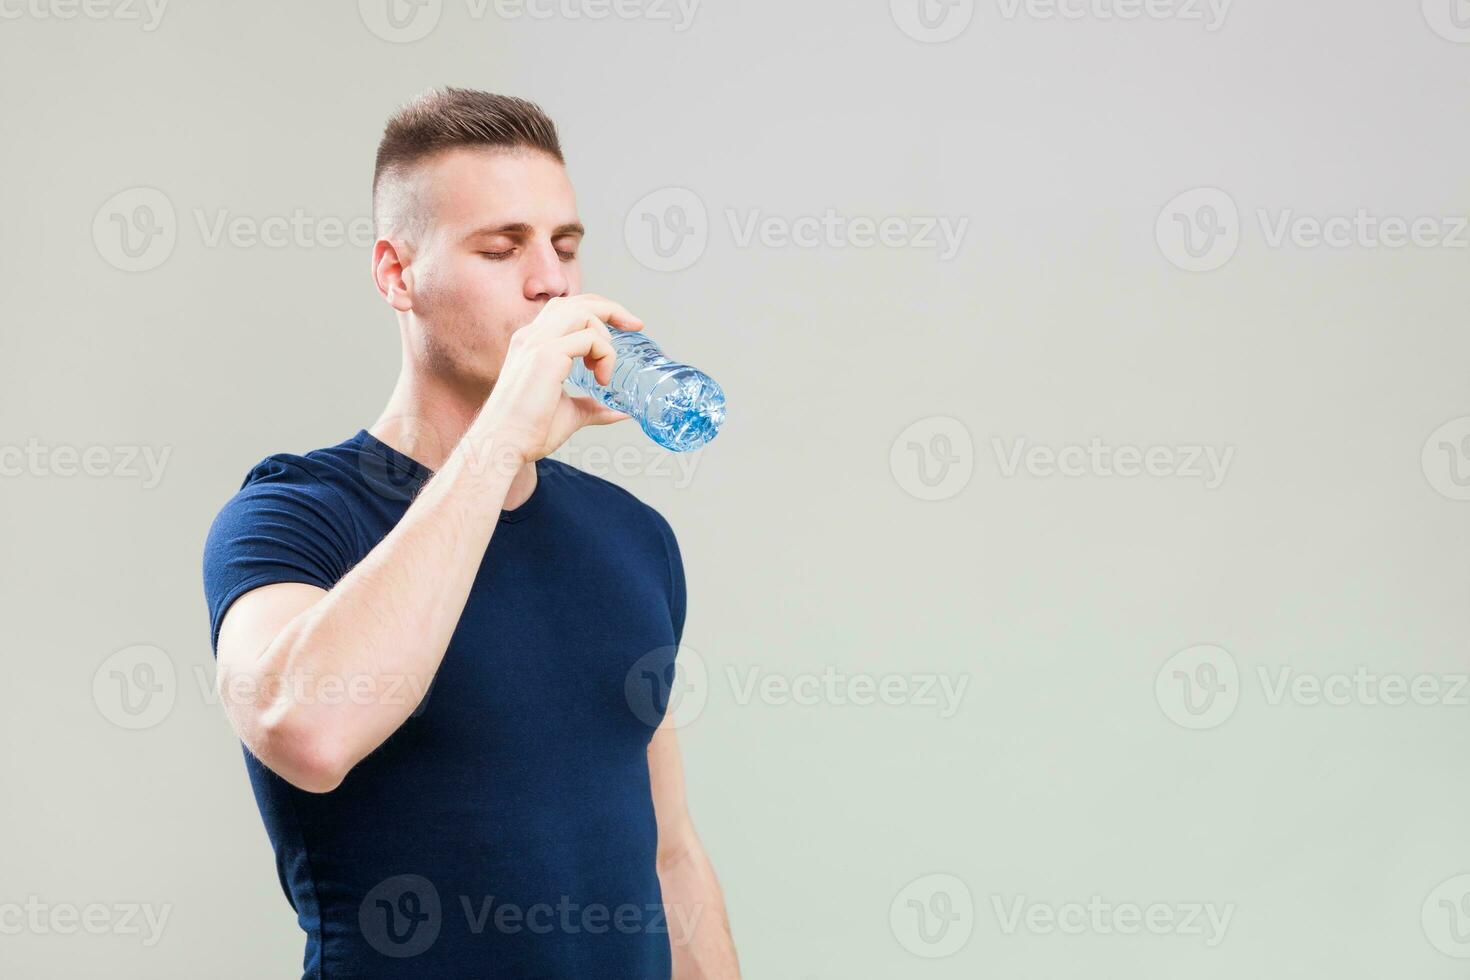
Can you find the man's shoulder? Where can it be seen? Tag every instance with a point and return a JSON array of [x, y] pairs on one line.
[[605, 492], [315, 472], [322, 487], [292, 496]]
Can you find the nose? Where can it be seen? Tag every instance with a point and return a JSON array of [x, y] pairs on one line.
[[546, 276]]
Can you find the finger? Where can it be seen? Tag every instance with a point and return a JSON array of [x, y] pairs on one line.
[[608, 311], [603, 355], [565, 314], [590, 411], [603, 370], [594, 347]]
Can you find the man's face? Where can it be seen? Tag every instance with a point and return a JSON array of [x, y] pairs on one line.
[[497, 239]]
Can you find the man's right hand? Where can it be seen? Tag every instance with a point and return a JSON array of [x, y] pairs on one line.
[[528, 413], [390, 618]]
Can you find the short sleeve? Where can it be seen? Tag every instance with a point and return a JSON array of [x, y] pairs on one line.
[[285, 524], [677, 600]]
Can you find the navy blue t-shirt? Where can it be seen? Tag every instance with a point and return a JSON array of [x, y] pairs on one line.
[[506, 829]]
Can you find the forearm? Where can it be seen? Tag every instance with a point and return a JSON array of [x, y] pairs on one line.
[[699, 929], [379, 635]]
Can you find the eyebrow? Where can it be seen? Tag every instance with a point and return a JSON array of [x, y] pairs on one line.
[[522, 229]]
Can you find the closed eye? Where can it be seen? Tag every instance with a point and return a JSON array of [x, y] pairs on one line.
[[563, 254]]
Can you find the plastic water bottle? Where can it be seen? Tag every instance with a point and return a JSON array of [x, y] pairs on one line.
[[681, 408]]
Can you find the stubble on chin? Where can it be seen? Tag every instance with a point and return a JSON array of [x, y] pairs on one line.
[[465, 362]]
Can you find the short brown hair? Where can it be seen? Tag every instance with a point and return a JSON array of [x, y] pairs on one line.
[[442, 119]]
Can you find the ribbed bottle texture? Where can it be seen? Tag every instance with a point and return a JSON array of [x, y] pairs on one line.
[[681, 408]]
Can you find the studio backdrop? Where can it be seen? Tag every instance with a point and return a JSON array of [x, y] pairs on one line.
[[1077, 588]]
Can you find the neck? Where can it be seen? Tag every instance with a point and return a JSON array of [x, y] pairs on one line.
[[426, 417]]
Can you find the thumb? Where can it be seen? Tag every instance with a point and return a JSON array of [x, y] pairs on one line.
[[593, 412]]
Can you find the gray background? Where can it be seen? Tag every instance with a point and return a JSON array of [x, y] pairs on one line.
[[1334, 833]]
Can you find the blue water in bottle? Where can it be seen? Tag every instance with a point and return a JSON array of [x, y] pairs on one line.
[[681, 408]]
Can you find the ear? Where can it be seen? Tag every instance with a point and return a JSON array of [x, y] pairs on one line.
[[391, 273]]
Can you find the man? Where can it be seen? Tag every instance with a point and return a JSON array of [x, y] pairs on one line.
[[524, 816]]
